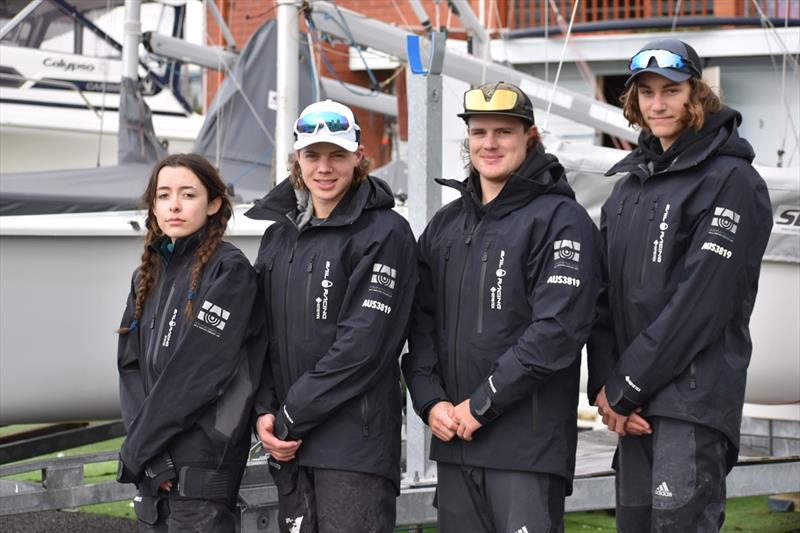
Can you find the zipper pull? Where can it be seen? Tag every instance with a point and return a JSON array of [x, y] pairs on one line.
[[447, 253], [468, 240], [271, 264], [291, 254], [485, 256], [153, 323], [636, 200], [653, 210], [310, 267], [621, 205]]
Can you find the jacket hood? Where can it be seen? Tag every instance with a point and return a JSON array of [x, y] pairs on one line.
[[540, 173], [280, 204], [718, 136]]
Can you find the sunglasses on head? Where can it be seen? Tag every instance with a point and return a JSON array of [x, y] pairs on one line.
[[333, 122], [501, 100], [664, 59]]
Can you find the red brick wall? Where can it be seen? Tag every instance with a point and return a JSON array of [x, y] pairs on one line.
[[244, 16]]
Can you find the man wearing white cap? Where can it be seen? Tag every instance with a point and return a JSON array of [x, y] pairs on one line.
[[338, 271]]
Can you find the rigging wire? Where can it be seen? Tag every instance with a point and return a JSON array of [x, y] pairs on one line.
[[786, 104], [560, 63], [400, 14], [328, 66], [346, 28], [765, 21], [675, 16]]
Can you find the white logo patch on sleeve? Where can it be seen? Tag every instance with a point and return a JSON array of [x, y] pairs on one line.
[[383, 279], [566, 253], [212, 318], [725, 223]]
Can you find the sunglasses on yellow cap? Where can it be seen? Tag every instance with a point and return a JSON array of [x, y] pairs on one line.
[[501, 100]]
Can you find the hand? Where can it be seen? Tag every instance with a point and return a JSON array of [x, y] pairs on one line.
[[637, 425], [467, 425], [440, 420], [166, 485], [612, 419], [282, 450]]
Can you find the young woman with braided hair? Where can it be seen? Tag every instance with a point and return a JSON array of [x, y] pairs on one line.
[[190, 354]]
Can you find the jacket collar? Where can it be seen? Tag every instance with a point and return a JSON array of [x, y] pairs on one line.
[[280, 204], [539, 174], [718, 136], [183, 246]]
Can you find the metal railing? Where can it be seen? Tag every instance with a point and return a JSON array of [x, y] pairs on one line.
[[523, 14]]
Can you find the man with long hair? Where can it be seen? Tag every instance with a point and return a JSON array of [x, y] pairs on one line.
[[684, 230], [509, 276]]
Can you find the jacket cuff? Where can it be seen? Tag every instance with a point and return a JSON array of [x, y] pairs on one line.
[[283, 425], [159, 470], [481, 405], [619, 397], [125, 474]]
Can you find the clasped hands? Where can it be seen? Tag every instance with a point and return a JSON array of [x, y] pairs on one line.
[[282, 450], [633, 424], [447, 421]]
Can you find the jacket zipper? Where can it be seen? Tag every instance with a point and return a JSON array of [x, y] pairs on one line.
[[307, 312], [156, 341], [268, 292], [692, 380], [444, 287], [482, 287], [364, 415], [617, 224], [454, 351], [647, 254], [285, 363]]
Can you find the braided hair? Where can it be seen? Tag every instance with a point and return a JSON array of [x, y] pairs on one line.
[[215, 229]]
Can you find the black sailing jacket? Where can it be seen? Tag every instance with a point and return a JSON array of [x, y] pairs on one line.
[[187, 383], [505, 303], [338, 297], [684, 232]]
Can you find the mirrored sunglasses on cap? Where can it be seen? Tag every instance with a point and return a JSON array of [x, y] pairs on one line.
[[501, 100], [332, 121], [664, 59]]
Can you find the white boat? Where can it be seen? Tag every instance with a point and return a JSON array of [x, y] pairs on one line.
[[60, 70]]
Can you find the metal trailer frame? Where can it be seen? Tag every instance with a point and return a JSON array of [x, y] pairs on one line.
[[63, 487]]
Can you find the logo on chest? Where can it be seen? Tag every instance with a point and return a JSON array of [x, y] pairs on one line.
[[172, 324], [496, 290], [322, 300], [658, 244]]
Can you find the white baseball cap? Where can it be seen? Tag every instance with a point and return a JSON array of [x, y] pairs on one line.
[[327, 122]]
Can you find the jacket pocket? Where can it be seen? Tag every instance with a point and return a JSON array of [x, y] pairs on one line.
[[443, 288], [308, 309], [482, 288], [535, 411], [648, 242], [364, 416]]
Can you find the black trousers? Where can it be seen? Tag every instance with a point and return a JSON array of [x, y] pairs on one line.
[[317, 500], [672, 480], [484, 500], [174, 515]]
